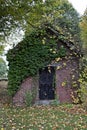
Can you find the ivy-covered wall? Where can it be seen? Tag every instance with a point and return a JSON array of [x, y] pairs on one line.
[[35, 51]]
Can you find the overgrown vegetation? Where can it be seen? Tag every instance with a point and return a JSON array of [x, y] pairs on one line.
[[28, 98], [83, 83], [36, 51], [83, 77], [83, 27]]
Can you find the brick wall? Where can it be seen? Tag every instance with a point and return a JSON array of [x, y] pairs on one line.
[[19, 98], [67, 74], [27, 85], [66, 80]]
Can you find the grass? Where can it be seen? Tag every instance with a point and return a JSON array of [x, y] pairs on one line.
[[62, 117]]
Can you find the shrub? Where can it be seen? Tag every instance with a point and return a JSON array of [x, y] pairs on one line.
[[28, 98], [83, 84]]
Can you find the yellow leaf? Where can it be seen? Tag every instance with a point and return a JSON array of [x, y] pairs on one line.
[[58, 67], [2, 129], [63, 84], [64, 64], [57, 59]]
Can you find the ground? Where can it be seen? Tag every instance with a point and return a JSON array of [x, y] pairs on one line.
[[62, 117], [54, 117]]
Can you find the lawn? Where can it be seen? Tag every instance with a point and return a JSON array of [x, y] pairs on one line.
[[62, 117]]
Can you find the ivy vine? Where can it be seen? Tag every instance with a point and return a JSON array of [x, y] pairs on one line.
[[35, 51]]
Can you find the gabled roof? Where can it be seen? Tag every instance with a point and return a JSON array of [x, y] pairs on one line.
[[76, 49]]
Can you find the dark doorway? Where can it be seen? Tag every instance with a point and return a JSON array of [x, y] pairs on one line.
[[46, 83]]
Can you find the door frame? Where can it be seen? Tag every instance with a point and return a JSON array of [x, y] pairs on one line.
[[51, 90]]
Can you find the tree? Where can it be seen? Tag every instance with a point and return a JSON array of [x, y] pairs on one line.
[[29, 14], [60, 13], [13, 14], [1, 49]]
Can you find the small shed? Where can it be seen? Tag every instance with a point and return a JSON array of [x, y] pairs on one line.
[[57, 80]]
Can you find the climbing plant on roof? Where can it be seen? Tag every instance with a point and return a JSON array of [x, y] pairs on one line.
[[36, 51]]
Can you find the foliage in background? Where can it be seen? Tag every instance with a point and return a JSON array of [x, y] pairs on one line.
[[3, 68], [29, 14], [1, 49], [83, 77], [83, 26]]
